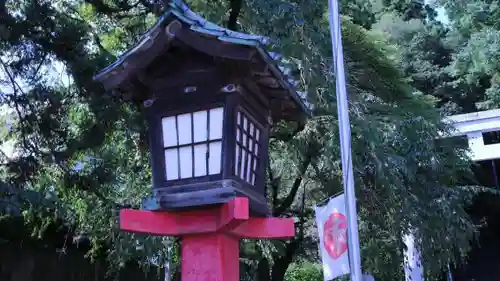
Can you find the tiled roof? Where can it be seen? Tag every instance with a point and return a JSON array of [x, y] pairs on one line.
[[178, 9]]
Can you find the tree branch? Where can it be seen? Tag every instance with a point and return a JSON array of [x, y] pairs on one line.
[[282, 263], [16, 87], [287, 202], [235, 9], [274, 182], [123, 6], [152, 7], [285, 136], [103, 8], [263, 269]]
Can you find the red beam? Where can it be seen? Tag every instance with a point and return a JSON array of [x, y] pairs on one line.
[[210, 237], [214, 219], [233, 213], [266, 228]]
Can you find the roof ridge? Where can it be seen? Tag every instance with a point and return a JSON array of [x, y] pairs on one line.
[[280, 66], [181, 6]]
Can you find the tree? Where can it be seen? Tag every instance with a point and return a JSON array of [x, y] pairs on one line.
[[88, 151], [456, 63], [425, 58], [475, 40], [410, 9]]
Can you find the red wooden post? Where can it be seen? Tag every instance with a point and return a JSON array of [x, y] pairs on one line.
[[210, 237]]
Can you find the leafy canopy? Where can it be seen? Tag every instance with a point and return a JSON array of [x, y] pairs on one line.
[[85, 152]]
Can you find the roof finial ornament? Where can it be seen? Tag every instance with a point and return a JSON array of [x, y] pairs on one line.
[[172, 28]]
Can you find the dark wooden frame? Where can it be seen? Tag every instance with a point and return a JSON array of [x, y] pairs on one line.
[[192, 144], [232, 103], [244, 146], [177, 53], [258, 114], [163, 107], [172, 101]]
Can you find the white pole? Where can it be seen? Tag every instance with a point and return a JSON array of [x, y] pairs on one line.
[[449, 275], [345, 142], [412, 262]]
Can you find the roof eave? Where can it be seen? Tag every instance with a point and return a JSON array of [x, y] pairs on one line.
[[181, 12], [284, 82]]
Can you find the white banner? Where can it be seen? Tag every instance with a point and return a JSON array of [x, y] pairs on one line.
[[331, 221], [412, 263]]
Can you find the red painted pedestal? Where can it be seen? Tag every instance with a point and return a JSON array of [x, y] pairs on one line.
[[210, 237]]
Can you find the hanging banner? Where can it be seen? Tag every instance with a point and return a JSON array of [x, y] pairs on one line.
[[412, 263], [449, 275], [331, 222]]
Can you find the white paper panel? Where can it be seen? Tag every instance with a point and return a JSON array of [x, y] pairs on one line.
[[236, 158], [238, 119], [257, 135], [184, 127], [186, 162], [238, 134], [250, 145], [169, 131], [242, 168], [216, 124], [256, 149], [245, 140], [171, 164], [200, 119], [245, 124], [251, 129], [249, 168], [255, 169], [200, 160], [214, 162]]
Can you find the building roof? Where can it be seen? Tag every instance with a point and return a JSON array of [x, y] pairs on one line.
[[178, 10]]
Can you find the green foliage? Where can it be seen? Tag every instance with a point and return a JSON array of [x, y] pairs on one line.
[[457, 62], [86, 150], [477, 64], [304, 272], [410, 9]]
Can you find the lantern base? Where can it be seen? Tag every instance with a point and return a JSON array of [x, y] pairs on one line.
[[196, 196], [210, 237]]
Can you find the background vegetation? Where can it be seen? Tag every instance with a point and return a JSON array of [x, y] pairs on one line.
[[73, 155]]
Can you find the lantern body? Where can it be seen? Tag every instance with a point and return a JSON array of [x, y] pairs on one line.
[[209, 95], [208, 145]]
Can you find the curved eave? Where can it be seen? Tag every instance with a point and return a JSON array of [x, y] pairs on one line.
[[301, 102], [147, 39], [155, 36]]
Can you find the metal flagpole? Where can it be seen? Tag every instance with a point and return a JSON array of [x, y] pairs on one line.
[[449, 276], [345, 142]]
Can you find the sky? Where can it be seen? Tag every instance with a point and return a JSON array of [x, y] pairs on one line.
[[442, 17]]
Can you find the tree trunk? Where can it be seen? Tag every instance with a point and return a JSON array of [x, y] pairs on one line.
[[263, 270], [281, 264]]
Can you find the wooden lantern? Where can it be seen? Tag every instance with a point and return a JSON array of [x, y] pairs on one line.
[[210, 96]]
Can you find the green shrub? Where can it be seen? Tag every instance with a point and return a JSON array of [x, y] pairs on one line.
[[305, 271]]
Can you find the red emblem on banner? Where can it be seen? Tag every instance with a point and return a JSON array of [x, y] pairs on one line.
[[335, 235]]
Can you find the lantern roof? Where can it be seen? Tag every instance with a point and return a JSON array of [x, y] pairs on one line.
[[276, 78]]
